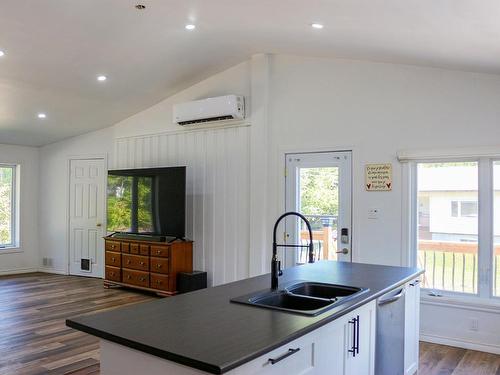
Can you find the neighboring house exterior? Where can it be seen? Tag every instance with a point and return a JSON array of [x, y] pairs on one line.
[[448, 204]]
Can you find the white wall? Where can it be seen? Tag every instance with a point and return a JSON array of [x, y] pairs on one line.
[[301, 104], [24, 258]]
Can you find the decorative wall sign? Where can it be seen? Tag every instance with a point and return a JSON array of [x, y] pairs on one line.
[[378, 177]]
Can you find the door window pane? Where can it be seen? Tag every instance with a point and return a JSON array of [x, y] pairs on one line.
[[448, 225], [319, 203], [6, 205], [496, 228]]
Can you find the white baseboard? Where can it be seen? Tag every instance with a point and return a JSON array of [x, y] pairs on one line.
[[495, 349], [52, 270], [17, 271]]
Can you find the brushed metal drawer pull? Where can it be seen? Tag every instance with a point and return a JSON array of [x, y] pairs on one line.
[[113, 259], [158, 252], [283, 356], [129, 277], [141, 263], [142, 279], [158, 265], [158, 282]]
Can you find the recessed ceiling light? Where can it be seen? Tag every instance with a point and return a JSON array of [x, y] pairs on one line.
[[190, 26], [2, 53], [102, 78], [42, 115], [317, 25]]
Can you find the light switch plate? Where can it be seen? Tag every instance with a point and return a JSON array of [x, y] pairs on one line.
[[373, 213]]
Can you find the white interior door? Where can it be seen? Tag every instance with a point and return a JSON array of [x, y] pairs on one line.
[[318, 185], [86, 217]]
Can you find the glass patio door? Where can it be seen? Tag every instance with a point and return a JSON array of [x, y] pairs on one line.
[[318, 185]]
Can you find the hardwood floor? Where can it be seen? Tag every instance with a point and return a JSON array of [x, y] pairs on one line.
[[447, 360], [34, 339], [33, 336]]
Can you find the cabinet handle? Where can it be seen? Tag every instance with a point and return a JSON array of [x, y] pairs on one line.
[[158, 252], [357, 335], [113, 259], [283, 356], [142, 263], [158, 282], [142, 279], [158, 266], [354, 329]]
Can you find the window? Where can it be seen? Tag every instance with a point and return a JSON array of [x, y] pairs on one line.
[[7, 206], [448, 244], [496, 229], [457, 227], [464, 209]]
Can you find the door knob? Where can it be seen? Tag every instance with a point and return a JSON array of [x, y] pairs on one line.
[[98, 225], [344, 251]]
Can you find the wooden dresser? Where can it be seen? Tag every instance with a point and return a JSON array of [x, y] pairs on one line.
[[151, 266]]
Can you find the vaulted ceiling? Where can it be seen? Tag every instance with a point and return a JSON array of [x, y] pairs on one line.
[[54, 49]]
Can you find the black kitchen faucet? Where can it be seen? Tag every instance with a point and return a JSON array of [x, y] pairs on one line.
[[275, 263]]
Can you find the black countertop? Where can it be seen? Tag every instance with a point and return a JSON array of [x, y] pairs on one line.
[[204, 330]]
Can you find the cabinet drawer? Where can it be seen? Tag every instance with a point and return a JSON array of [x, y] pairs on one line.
[[125, 247], [159, 265], [113, 259], [136, 278], [135, 262], [160, 251], [144, 250], [113, 246], [113, 274], [134, 248], [159, 281]]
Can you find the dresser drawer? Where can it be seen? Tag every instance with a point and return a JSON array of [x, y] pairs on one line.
[[160, 251], [125, 247], [135, 262], [112, 273], [159, 265], [136, 278], [144, 250], [113, 259], [112, 246], [134, 248], [159, 281]]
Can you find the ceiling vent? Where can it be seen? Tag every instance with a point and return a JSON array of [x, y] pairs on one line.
[[221, 108]]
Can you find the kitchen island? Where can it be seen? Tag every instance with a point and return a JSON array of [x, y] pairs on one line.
[[204, 332]]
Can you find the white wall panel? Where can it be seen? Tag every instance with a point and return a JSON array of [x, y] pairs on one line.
[[217, 191]]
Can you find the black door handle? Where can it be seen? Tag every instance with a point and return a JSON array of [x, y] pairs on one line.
[[283, 356], [354, 329]]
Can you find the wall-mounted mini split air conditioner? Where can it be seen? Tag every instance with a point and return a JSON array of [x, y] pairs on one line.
[[229, 107]]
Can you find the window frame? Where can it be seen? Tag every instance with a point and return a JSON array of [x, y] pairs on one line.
[[485, 217], [14, 222]]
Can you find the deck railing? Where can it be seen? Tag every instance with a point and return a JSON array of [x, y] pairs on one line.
[[453, 266]]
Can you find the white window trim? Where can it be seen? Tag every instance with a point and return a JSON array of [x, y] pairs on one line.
[[485, 157], [14, 246]]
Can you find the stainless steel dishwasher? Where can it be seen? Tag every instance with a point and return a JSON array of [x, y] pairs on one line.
[[390, 346]]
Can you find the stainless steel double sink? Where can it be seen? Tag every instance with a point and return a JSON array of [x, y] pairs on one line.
[[304, 297]]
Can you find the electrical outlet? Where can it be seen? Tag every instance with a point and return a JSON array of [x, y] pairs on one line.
[[474, 324]]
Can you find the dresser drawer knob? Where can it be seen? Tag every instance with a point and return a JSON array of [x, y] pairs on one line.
[[113, 259], [158, 252], [129, 277], [142, 279], [129, 261], [111, 274], [158, 282], [142, 263], [158, 266]]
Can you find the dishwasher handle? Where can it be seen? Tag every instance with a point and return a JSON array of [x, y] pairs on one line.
[[394, 298]]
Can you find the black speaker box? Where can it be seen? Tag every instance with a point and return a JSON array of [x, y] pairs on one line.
[[189, 281]]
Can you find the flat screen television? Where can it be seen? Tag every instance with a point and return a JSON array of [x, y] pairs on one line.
[[147, 201]]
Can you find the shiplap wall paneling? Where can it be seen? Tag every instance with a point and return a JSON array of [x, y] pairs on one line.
[[217, 191]]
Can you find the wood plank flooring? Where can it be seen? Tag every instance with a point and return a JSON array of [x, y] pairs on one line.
[[33, 336], [34, 339], [447, 360]]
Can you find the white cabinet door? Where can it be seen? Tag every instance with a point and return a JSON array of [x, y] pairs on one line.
[[330, 348], [359, 328], [412, 326]]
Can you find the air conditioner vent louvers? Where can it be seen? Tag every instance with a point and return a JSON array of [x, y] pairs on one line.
[[218, 118]]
